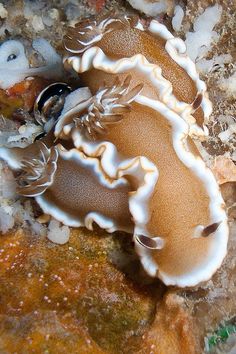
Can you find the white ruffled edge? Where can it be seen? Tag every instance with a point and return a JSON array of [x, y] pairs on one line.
[[112, 165], [94, 57], [177, 50], [217, 212], [216, 207]]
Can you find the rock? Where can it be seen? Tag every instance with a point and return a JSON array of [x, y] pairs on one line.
[[37, 23], [3, 11], [153, 8]]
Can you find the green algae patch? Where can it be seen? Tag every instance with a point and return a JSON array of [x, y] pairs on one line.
[[220, 335]]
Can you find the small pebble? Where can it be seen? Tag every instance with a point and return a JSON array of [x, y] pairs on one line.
[[3, 11], [54, 14], [44, 218], [37, 23]]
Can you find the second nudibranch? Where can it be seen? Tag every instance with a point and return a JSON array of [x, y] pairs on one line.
[[94, 183]]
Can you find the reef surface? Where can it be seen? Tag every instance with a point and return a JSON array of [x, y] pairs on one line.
[[90, 295]]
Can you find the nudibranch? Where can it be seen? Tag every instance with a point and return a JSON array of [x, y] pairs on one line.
[[172, 109], [120, 152], [81, 187]]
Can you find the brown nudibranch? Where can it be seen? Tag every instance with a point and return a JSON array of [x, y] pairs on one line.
[[122, 154], [169, 112]]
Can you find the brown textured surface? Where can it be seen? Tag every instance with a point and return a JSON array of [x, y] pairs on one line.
[[154, 50], [87, 194], [170, 217], [172, 331], [74, 288], [120, 44], [72, 298]]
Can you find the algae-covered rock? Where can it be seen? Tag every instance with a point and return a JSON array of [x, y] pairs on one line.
[[48, 285], [75, 297]]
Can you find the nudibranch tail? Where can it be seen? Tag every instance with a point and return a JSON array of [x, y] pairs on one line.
[[116, 183], [62, 181]]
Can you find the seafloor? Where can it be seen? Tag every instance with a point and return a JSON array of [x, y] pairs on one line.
[[83, 297]]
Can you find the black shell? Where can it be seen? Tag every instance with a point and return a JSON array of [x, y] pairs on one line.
[[50, 102]]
